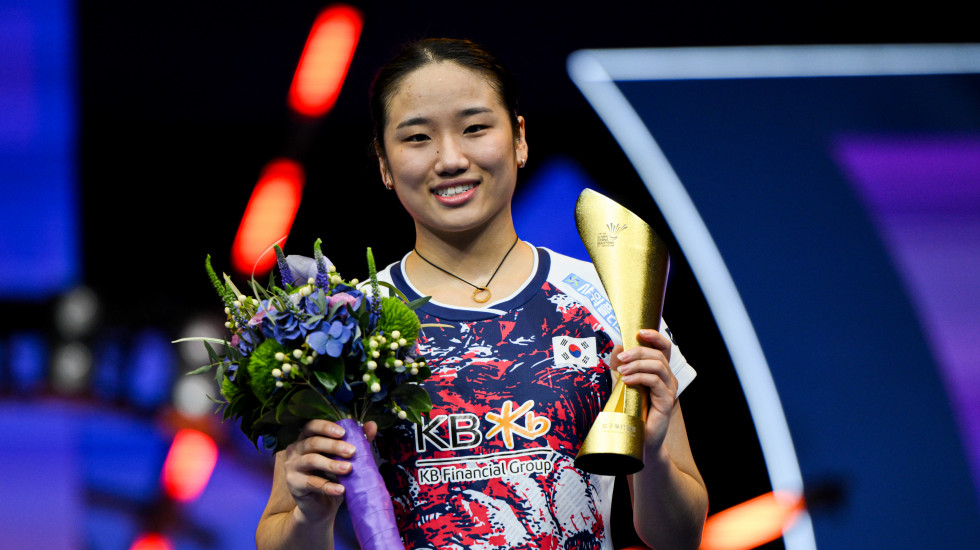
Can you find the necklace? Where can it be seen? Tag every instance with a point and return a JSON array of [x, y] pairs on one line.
[[482, 293]]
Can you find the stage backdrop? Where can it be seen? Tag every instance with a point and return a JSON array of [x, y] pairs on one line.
[[827, 201]]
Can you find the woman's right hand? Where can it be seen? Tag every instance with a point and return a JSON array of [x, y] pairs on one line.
[[312, 464]]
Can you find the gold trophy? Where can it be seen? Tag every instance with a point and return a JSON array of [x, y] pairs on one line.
[[632, 262]]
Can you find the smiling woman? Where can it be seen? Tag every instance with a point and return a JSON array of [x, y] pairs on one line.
[[493, 464]]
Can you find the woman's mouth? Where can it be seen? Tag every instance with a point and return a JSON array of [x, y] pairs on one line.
[[454, 190]]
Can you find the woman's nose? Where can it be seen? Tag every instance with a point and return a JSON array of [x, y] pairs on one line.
[[451, 159]]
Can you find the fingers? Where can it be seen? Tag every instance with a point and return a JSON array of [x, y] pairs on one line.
[[649, 366], [371, 430], [314, 461]]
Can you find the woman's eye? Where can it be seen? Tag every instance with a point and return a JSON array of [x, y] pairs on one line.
[[417, 137], [473, 128]]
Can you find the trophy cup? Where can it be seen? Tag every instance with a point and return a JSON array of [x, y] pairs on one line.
[[632, 263]]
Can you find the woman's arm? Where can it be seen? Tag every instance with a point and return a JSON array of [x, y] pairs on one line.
[[305, 497], [670, 500]]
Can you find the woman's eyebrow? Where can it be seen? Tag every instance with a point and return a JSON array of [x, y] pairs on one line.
[[414, 121], [474, 111]]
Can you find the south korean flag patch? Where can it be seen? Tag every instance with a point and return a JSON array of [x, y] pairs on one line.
[[575, 351]]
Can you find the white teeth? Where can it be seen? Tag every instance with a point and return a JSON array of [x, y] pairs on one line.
[[452, 191]]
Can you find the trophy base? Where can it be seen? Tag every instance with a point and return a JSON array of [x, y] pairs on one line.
[[614, 445]]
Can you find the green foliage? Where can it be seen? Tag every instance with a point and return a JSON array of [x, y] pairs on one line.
[[395, 315], [260, 366]]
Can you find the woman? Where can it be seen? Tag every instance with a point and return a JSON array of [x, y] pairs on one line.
[[520, 367]]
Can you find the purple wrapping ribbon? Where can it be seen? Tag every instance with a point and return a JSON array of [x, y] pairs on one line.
[[368, 500]]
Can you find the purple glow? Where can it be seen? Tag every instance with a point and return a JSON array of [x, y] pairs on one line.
[[924, 196]]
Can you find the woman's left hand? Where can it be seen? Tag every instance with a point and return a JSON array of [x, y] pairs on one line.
[[649, 365]]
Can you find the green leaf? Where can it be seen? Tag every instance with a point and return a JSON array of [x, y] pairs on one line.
[[415, 304], [232, 286], [392, 288], [200, 339], [385, 420], [201, 370], [331, 374], [309, 404], [413, 399], [212, 355]]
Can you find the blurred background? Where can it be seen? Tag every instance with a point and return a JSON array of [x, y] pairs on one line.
[[133, 135]]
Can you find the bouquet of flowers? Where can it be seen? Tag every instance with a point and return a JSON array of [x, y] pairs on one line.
[[318, 347]]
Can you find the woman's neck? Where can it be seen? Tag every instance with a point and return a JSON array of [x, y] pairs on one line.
[[449, 267]]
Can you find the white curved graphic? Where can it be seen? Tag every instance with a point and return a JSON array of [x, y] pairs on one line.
[[595, 73]]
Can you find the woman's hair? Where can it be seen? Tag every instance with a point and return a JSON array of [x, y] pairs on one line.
[[416, 55]]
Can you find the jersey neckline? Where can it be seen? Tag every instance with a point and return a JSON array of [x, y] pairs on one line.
[[539, 274]]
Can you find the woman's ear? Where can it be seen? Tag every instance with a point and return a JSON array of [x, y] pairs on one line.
[[386, 178], [520, 143]]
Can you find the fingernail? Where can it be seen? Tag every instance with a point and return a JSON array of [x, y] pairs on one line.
[[337, 432], [349, 450], [623, 356]]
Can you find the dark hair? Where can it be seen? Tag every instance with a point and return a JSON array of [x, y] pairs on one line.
[[416, 55]]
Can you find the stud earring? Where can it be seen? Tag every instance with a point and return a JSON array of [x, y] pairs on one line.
[[523, 162]]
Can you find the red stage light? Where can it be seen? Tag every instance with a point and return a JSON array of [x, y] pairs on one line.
[[152, 541], [752, 523], [189, 464], [326, 57], [268, 217]]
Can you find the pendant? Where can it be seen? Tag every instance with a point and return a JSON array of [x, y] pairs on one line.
[[481, 295]]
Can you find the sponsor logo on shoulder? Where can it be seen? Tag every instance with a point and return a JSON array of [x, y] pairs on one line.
[[594, 296]]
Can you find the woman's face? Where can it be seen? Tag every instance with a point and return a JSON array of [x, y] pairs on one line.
[[452, 155]]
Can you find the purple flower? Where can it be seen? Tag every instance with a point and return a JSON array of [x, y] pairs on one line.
[[282, 326], [330, 339]]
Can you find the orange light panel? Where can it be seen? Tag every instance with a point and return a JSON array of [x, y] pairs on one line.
[[752, 523], [152, 541], [189, 464], [268, 217], [326, 57]]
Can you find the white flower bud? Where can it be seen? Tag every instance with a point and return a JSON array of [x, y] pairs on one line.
[[297, 353], [375, 388], [372, 343], [396, 334], [402, 342], [414, 371], [280, 356], [277, 373], [402, 415], [393, 346], [336, 280], [398, 362], [279, 384], [228, 324], [311, 280], [227, 311], [366, 377], [354, 282], [375, 354], [241, 298], [331, 269], [236, 303], [372, 365]]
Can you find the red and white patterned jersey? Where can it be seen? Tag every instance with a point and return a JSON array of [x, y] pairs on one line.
[[515, 387]]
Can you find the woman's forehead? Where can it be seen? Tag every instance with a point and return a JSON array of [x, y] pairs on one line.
[[441, 84]]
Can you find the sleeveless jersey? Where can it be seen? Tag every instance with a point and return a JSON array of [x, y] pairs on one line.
[[515, 387]]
